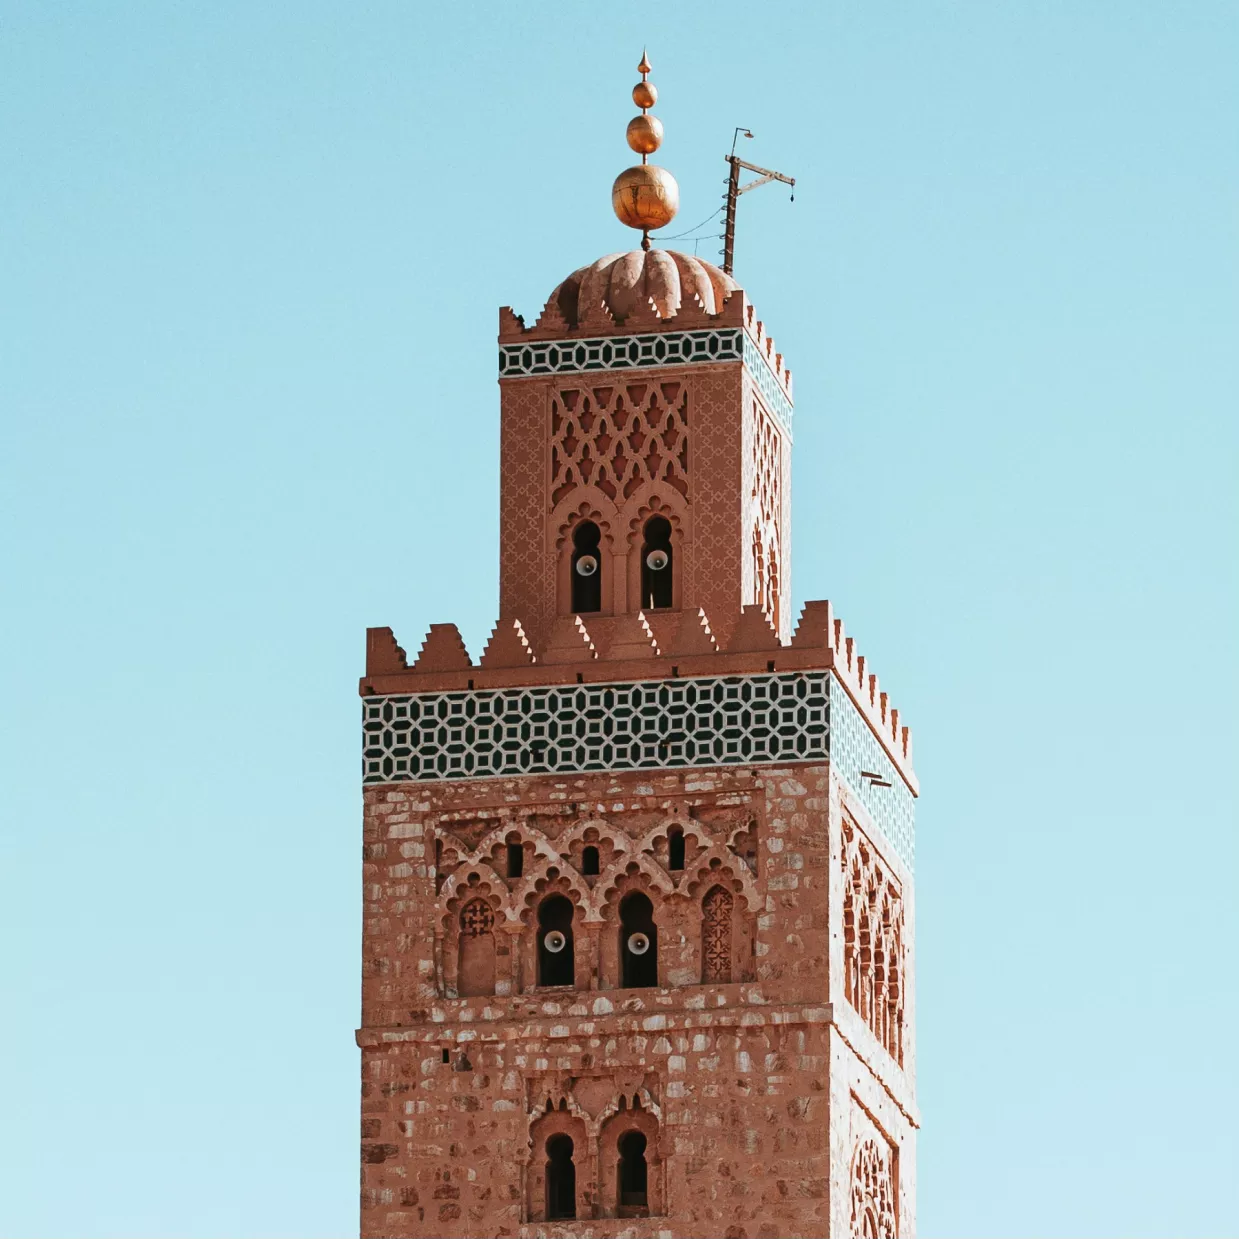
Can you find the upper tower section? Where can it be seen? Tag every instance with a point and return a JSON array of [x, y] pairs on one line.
[[646, 436]]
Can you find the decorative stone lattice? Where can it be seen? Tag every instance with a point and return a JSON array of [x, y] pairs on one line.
[[873, 1192], [716, 935], [477, 918], [527, 584], [873, 964], [766, 473], [729, 720], [617, 438]]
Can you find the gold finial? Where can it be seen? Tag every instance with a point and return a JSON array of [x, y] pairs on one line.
[[645, 196]]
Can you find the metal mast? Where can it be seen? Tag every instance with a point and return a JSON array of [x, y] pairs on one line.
[[735, 189]]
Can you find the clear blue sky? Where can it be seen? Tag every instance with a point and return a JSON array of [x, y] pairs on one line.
[[251, 256]]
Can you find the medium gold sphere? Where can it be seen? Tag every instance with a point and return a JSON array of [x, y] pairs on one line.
[[645, 134], [645, 197], [644, 95]]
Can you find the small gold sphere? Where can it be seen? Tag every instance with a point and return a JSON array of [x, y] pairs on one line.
[[645, 197], [644, 95], [645, 134]]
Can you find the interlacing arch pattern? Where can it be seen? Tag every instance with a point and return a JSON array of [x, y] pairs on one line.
[[767, 499], [872, 940], [618, 438], [474, 899], [873, 1192]]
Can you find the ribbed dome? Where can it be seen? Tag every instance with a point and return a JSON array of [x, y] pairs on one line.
[[639, 279]]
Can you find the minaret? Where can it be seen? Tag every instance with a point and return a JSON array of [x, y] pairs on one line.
[[638, 948]]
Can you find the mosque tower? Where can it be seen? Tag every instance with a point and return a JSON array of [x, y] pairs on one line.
[[638, 934]]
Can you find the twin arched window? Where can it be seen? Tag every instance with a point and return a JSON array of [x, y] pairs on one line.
[[556, 954], [657, 574], [632, 1176]]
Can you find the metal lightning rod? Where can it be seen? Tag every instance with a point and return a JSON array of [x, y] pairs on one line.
[[735, 189]]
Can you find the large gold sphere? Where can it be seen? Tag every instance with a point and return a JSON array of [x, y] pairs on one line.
[[645, 134], [645, 197], [644, 95]]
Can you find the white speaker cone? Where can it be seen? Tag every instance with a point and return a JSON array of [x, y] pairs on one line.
[[587, 565], [656, 561], [555, 941], [638, 944]]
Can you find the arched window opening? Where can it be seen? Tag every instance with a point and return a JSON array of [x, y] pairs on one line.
[[633, 1173], [772, 589], [586, 568], [516, 860], [589, 862], [759, 570], [638, 942], [716, 911], [675, 848], [656, 563], [560, 1179], [475, 972], [556, 964]]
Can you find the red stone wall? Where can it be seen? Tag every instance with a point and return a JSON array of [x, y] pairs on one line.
[[697, 446], [761, 1099]]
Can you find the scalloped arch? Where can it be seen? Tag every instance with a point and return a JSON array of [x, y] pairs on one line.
[[686, 824], [451, 891], [630, 865], [585, 503], [542, 846], [527, 894], [613, 834], [710, 865], [651, 499]]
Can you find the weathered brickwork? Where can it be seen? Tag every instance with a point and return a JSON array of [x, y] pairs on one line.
[[731, 1083], [638, 899]]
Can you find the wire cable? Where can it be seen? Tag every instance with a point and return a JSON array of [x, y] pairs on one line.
[[679, 236]]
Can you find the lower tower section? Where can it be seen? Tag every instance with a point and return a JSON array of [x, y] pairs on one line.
[[638, 941]]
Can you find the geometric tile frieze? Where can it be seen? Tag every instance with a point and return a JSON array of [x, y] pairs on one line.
[[640, 352], [700, 721], [856, 756], [759, 368], [653, 724]]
